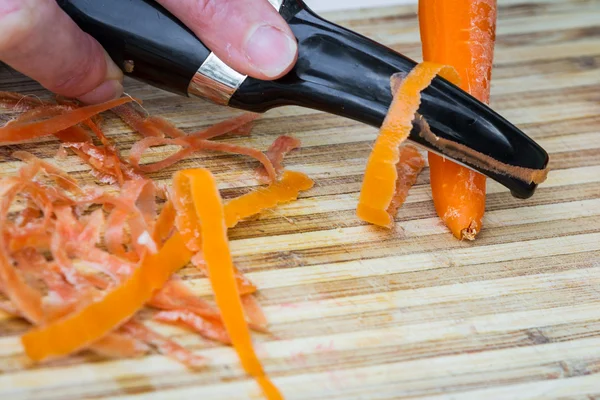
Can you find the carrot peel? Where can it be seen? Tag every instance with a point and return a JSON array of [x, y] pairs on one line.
[[379, 183], [18, 131], [91, 323], [284, 190], [210, 215]]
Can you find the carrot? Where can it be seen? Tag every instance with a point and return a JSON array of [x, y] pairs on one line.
[[26, 299], [117, 345], [277, 151], [254, 312], [15, 132], [410, 165], [210, 215], [164, 224], [244, 284], [461, 34], [284, 190], [208, 328], [379, 183], [164, 345], [89, 324]]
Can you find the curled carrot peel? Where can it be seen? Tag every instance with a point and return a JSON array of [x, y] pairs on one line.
[[82, 328], [461, 34], [15, 132], [284, 190], [408, 168], [209, 328], [277, 151], [245, 286], [379, 183], [27, 299], [164, 224], [210, 214]]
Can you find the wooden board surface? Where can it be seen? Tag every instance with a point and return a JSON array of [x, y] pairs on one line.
[[357, 312]]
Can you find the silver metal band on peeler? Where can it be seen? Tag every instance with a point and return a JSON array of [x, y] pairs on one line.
[[215, 80]]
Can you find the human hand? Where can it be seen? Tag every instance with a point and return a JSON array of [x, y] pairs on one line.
[[38, 39]]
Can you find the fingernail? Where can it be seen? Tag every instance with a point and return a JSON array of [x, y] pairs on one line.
[[108, 90], [270, 50], [112, 71]]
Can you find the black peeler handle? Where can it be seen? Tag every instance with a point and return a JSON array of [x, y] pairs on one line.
[[338, 71]]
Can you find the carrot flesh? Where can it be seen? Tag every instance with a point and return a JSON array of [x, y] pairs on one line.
[[210, 214], [379, 182], [284, 190], [460, 34], [91, 323], [410, 165], [25, 298], [18, 132], [164, 223], [208, 328], [245, 286]]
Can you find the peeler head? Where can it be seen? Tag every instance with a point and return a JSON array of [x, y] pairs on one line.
[[341, 72]]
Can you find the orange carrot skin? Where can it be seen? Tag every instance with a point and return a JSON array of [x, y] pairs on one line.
[[410, 165], [282, 191], [210, 215], [17, 132], [379, 182], [78, 330], [461, 34]]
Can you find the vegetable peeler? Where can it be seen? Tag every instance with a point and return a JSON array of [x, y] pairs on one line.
[[338, 71]]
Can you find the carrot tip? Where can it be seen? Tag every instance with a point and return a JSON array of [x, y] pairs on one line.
[[470, 232]]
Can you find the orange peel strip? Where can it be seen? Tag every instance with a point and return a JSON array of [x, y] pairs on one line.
[[379, 183]]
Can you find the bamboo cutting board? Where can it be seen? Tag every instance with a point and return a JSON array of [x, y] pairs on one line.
[[358, 312]]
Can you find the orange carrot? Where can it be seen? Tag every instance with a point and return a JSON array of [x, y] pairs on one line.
[[410, 165], [25, 298], [281, 191], [209, 328], [379, 183], [118, 345], [210, 215], [163, 344], [82, 328], [284, 190], [175, 295], [245, 286], [15, 132], [460, 33], [164, 224], [277, 151], [254, 313]]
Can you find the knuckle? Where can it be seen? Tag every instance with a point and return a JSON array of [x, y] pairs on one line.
[[17, 24]]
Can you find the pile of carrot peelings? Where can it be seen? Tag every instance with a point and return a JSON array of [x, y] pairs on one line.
[[461, 34], [80, 273], [89, 324], [392, 166]]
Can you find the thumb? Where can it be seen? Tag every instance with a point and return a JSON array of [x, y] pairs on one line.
[[38, 39], [248, 35]]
